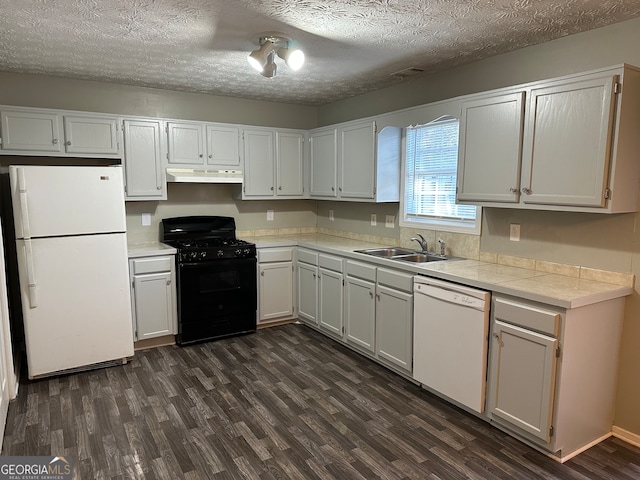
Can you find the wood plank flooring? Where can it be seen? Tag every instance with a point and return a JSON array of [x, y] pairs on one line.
[[284, 403]]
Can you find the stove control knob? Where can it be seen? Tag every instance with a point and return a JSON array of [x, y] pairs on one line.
[[202, 255], [220, 253], [238, 252], [247, 251]]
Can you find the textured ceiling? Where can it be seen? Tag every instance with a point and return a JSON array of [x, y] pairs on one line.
[[352, 47]]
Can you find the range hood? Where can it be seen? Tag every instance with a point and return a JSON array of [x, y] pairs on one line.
[[190, 175]]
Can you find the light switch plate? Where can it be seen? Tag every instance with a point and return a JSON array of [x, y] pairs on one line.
[[331, 217], [514, 232], [146, 219], [374, 220], [269, 215], [390, 221]]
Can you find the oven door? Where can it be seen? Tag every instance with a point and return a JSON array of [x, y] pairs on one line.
[[216, 299]]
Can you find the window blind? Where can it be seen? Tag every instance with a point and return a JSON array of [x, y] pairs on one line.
[[430, 183]]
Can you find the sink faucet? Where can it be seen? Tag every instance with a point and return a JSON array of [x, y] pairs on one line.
[[442, 246], [421, 241]]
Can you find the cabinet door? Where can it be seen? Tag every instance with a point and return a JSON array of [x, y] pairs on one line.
[[223, 146], [360, 313], [394, 327], [31, 131], [275, 291], [308, 293], [324, 162], [186, 144], [357, 160], [91, 135], [330, 314], [489, 150], [153, 305], [522, 376], [258, 163], [289, 158], [142, 159], [568, 142]]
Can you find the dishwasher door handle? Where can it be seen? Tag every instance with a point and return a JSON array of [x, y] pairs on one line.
[[451, 296]]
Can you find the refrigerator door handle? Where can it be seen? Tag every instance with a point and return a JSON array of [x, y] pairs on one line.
[[24, 208], [31, 274]]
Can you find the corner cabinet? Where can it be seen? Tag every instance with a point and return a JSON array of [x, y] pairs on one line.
[[273, 163], [143, 147], [567, 144], [355, 162], [552, 371], [153, 296]]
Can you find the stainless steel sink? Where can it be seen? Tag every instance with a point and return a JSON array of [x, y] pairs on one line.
[[404, 255], [387, 251], [420, 258]]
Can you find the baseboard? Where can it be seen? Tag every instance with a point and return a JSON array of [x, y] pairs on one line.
[[155, 342], [627, 436]]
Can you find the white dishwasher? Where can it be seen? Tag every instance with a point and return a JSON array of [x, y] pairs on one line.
[[450, 340]]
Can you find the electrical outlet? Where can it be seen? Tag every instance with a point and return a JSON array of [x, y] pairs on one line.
[[390, 221], [146, 219], [374, 220], [269, 215], [514, 232], [331, 217]]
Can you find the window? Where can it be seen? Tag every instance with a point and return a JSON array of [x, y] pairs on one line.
[[431, 161]]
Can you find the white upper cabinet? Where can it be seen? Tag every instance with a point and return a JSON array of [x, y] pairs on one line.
[[203, 145], [186, 143], [42, 132], [91, 135], [323, 156], [568, 138], [273, 163], [143, 142], [362, 163], [489, 149], [31, 131], [575, 150]]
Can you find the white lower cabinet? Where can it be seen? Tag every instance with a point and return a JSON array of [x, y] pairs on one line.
[[275, 284], [360, 305], [307, 286], [330, 295], [552, 372], [153, 296]]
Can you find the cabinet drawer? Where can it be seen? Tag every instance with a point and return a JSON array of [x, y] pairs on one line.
[[307, 256], [361, 270], [394, 279], [266, 255], [330, 263], [527, 316], [152, 265]]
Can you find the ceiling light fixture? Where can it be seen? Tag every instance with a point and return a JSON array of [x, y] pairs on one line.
[[272, 43]]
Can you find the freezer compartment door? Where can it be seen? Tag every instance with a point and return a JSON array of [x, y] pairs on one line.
[[82, 314], [54, 201]]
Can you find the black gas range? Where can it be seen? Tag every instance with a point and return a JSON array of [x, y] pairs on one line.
[[216, 278]]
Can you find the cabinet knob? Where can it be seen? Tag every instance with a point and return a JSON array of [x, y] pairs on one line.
[[378, 296], [67, 143], [371, 294], [158, 187], [210, 156], [526, 190], [280, 187], [339, 189], [200, 155], [513, 189], [314, 275], [272, 189], [262, 274], [55, 141], [333, 189]]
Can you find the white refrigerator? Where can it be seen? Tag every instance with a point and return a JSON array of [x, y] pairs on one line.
[[72, 261]]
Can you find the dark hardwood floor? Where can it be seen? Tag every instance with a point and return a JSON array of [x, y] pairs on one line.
[[284, 403]]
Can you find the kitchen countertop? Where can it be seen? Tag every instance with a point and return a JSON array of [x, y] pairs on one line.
[[149, 249], [549, 288]]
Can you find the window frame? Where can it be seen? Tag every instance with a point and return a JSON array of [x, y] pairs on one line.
[[433, 223]]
